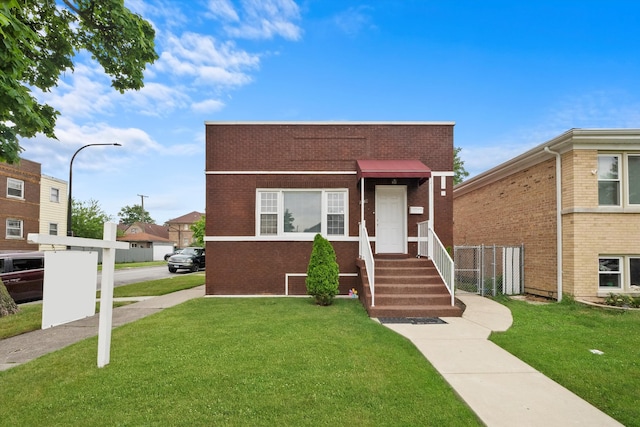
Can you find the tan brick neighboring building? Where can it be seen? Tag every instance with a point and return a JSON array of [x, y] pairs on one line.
[[180, 232], [516, 203]]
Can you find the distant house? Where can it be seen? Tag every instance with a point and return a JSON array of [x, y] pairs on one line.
[[152, 237], [53, 209], [180, 229], [574, 202], [19, 204], [271, 187]]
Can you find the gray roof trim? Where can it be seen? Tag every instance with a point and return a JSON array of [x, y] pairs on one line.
[[583, 139]]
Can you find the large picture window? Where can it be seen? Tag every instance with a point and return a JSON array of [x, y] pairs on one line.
[[298, 212]]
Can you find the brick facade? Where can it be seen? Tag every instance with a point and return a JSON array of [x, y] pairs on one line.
[[244, 157], [25, 209], [515, 203]]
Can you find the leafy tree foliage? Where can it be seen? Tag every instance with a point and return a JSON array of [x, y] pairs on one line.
[[323, 272], [39, 40], [198, 229], [88, 219], [460, 173], [136, 213]]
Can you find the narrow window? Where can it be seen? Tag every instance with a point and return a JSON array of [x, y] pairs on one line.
[[609, 273], [15, 188], [633, 175], [55, 195], [608, 181], [268, 213], [634, 274], [53, 229], [14, 229], [335, 213]]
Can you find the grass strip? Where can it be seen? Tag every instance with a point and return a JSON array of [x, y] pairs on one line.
[[30, 316], [232, 362], [557, 340]]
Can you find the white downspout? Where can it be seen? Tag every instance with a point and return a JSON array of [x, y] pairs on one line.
[[558, 218]]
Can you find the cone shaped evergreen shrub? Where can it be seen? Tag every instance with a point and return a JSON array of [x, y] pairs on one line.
[[323, 272]]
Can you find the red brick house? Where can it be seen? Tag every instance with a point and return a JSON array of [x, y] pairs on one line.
[[271, 186], [19, 204]]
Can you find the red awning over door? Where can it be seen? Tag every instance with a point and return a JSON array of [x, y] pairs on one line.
[[393, 169]]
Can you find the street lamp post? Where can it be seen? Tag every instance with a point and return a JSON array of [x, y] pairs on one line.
[[69, 232]]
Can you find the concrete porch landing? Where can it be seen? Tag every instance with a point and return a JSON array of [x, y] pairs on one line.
[[500, 388]]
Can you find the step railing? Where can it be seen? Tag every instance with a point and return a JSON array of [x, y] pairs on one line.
[[367, 255], [429, 245]]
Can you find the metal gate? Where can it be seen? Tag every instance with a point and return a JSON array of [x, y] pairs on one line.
[[489, 270]]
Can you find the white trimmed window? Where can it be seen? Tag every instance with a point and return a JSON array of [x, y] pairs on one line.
[[633, 178], [286, 212], [54, 196], [619, 179], [15, 188], [14, 229], [53, 229], [619, 273]]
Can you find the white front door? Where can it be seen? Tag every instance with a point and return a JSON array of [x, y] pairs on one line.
[[391, 219]]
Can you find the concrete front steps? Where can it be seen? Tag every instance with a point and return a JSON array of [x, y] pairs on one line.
[[409, 287]]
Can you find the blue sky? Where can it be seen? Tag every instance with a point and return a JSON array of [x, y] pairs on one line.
[[510, 74]]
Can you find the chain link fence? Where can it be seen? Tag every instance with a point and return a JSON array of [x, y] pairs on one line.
[[489, 269]]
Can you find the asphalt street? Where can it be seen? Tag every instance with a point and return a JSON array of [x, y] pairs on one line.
[[127, 276]]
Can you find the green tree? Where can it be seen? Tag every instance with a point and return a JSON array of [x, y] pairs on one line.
[[136, 213], [459, 172], [323, 272], [39, 40], [198, 229], [87, 219]]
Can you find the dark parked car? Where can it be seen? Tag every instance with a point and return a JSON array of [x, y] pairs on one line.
[[190, 258], [167, 256], [22, 273]]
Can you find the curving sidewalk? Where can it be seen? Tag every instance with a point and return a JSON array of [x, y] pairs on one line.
[[500, 388]]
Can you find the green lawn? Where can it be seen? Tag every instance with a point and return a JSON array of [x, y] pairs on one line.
[[557, 338], [237, 361], [30, 316]]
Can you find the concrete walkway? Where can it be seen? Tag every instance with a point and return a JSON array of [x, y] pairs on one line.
[[500, 388], [23, 348]]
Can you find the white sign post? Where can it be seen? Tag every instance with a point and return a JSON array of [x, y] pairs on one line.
[[109, 246]]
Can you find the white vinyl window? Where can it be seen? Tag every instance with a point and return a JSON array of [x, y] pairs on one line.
[[54, 195], [53, 229], [301, 211], [14, 229], [619, 273], [619, 179], [633, 178], [608, 180], [15, 188], [610, 273]]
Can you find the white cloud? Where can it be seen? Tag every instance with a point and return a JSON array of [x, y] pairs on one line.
[[208, 62], [82, 93], [156, 99], [259, 19], [354, 20], [222, 9], [207, 106]]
